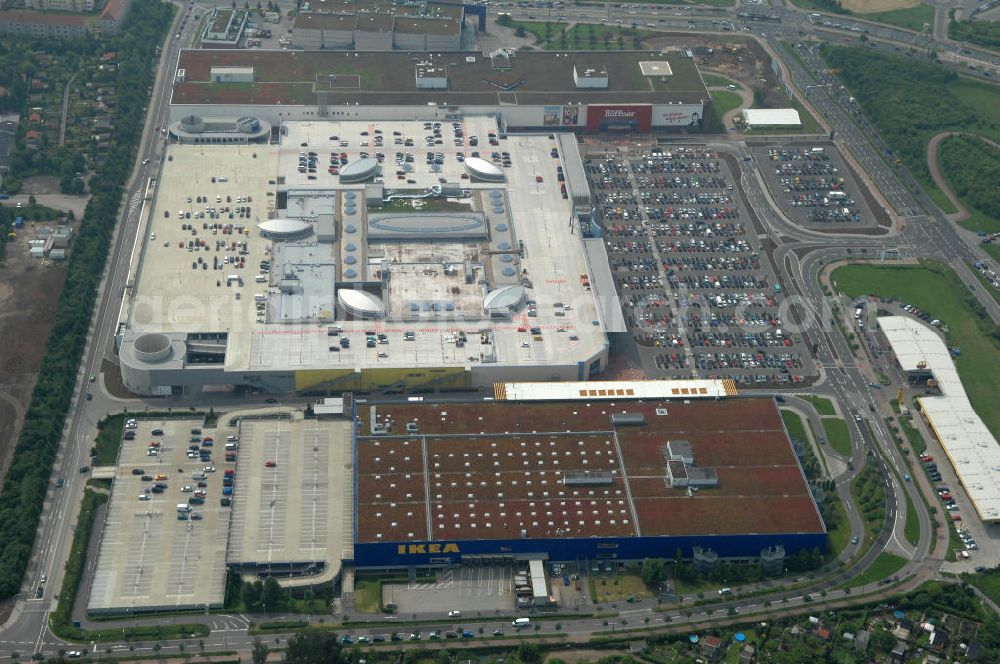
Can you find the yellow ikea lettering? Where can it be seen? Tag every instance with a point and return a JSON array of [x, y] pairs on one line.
[[415, 549]]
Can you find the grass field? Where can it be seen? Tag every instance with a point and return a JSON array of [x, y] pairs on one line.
[[723, 101], [916, 439], [936, 289], [109, 440], [367, 594], [987, 582], [796, 430], [618, 588], [706, 3], [718, 81], [838, 537], [822, 405], [911, 529], [884, 566], [910, 19], [838, 435], [868, 495]]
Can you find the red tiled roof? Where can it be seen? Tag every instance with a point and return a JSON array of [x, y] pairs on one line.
[[29, 17], [114, 10]]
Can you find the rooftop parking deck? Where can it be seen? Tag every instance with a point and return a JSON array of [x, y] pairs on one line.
[[291, 490], [184, 281], [150, 558]]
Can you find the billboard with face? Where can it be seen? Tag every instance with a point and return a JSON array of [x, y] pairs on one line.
[[604, 117]]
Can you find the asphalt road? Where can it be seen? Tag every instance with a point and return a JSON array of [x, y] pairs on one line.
[[799, 259]]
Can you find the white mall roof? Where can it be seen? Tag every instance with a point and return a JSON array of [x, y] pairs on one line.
[[503, 299], [483, 169], [970, 446], [772, 117], [615, 389], [361, 302], [283, 227]]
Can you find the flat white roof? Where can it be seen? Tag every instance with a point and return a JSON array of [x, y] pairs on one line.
[[608, 389], [969, 444], [772, 117]]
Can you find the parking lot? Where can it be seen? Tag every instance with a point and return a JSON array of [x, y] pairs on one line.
[[473, 590], [698, 294], [814, 187], [289, 494], [164, 541]]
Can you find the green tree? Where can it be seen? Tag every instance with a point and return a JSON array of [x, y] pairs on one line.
[[314, 646], [271, 597], [260, 652], [529, 652], [653, 571], [881, 641]]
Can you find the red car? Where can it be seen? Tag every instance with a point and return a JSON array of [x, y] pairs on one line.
[[270, 464], [538, 178], [926, 457], [944, 496]]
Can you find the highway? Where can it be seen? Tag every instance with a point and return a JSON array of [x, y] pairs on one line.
[[28, 626], [799, 258]]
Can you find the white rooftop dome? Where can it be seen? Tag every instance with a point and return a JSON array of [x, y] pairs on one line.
[[503, 300], [361, 303], [484, 170], [284, 228], [359, 170]]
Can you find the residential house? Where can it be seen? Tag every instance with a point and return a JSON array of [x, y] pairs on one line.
[[975, 649], [34, 118], [42, 24], [861, 640], [114, 15], [62, 5], [636, 647], [32, 138], [746, 654], [939, 640], [898, 654], [711, 646], [8, 136]]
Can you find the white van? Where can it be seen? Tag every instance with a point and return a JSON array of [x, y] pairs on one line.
[[230, 447], [260, 278], [520, 622], [183, 507]]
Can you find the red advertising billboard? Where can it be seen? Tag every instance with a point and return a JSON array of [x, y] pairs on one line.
[[602, 117]]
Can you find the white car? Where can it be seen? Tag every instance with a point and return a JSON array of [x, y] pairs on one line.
[[209, 469], [454, 614], [143, 496], [187, 488]]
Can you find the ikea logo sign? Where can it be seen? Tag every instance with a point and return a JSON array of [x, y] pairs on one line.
[[416, 549]]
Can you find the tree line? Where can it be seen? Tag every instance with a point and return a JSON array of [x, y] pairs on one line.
[[27, 478], [972, 167], [907, 100], [984, 33]]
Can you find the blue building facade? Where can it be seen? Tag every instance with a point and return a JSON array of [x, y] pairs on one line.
[[405, 554]]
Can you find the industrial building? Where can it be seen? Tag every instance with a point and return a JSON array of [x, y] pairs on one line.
[[619, 92], [224, 28], [606, 478], [260, 268], [971, 448], [770, 118]]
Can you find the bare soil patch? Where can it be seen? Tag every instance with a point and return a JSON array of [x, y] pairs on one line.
[[872, 6], [29, 294]]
